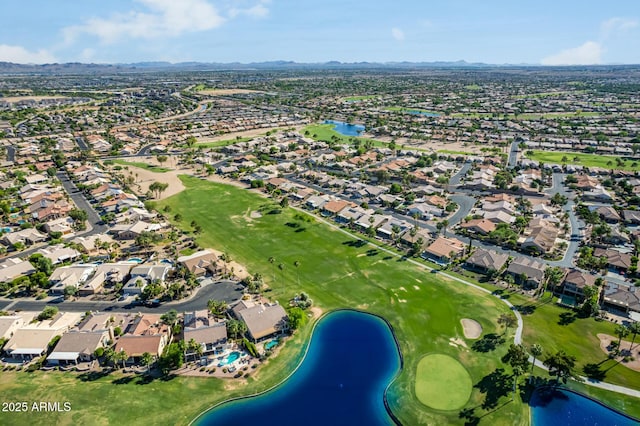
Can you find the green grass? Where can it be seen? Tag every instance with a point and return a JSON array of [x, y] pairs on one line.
[[555, 328], [338, 272], [150, 167], [226, 142], [442, 382], [325, 132], [587, 160], [451, 152], [130, 400]]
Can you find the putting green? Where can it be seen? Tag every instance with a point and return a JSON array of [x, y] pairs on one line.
[[442, 382]]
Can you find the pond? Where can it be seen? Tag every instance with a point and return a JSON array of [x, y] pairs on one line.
[[346, 129], [352, 357], [550, 407]]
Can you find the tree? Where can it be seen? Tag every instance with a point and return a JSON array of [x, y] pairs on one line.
[[47, 313], [169, 318], [70, 291], [507, 321], [121, 356], [79, 217], [297, 318], [634, 328], [561, 365], [161, 159], [621, 331], [516, 356], [158, 188], [218, 308], [172, 357], [536, 351], [147, 360], [236, 328]]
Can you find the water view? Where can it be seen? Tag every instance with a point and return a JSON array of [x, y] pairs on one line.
[[346, 128], [351, 359], [560, 407], [420, 112]]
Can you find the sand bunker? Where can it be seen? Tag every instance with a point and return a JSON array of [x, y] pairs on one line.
[[472, 329], [625, 348]]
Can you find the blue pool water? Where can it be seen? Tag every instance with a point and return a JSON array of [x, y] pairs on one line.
[[166, 262], [6, 229], [271, 344], [562, 407], [134, 259], [345, 128], [229, 359], [351, 359]]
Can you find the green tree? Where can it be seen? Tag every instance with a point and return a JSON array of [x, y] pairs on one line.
[[218, 308], [161, 159], [561, 365], [297, 318], [634, 328], [507, 321], [47, 313], [236, 328], [536, 351], [147, 360], [621, 331]]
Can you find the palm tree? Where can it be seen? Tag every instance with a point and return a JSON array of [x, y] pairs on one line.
[[621, 331], [536, 351], [147, 360], [634, 329]]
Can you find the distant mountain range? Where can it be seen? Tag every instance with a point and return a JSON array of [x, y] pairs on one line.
[[81, 68]]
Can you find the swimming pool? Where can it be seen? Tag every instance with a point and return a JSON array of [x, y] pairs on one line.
[[134, 259], [166, 262], [229, 359], [271, 344]]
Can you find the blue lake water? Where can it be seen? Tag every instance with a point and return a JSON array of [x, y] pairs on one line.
[[351, 359], [561, 407], [345, 128]]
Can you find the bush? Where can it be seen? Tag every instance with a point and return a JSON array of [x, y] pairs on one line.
[[225, 370], [47, 313]]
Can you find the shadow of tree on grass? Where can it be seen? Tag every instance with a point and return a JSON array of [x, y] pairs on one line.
[[567, 318], [488, 343], [494, 385]]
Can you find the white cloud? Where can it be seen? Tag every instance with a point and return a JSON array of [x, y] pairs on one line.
[[397, 34], [163, 18], [589, 53], [615, 25], [257, 11], [20, 55]]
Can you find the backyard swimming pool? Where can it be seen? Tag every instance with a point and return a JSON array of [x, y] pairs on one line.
[[229, 359], [271, 344]]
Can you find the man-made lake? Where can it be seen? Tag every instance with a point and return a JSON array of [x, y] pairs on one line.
[[419, 112], [351, 359], [345, 128], [562, 407]]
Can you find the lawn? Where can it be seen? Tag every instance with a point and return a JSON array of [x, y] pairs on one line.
[[325, 132], [338, 271], [554, 328], [442, 382], [587, 160], [226, 142], [128, 400], [147, 166], [359, 98], [530, 116]]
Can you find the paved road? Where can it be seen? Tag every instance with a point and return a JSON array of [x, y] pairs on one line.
[[229, 291], [455, 179], [465, 204], [81, 143], [513, 154], [82, 203], [575, 223], [11, 153]]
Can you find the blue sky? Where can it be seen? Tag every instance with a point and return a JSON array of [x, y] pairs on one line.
[[493, 31]]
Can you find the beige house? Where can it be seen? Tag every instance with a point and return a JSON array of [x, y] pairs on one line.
[[264, 320], [200, 263]]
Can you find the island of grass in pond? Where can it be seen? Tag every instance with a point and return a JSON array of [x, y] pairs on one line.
[[550, 407], [351, 359]]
